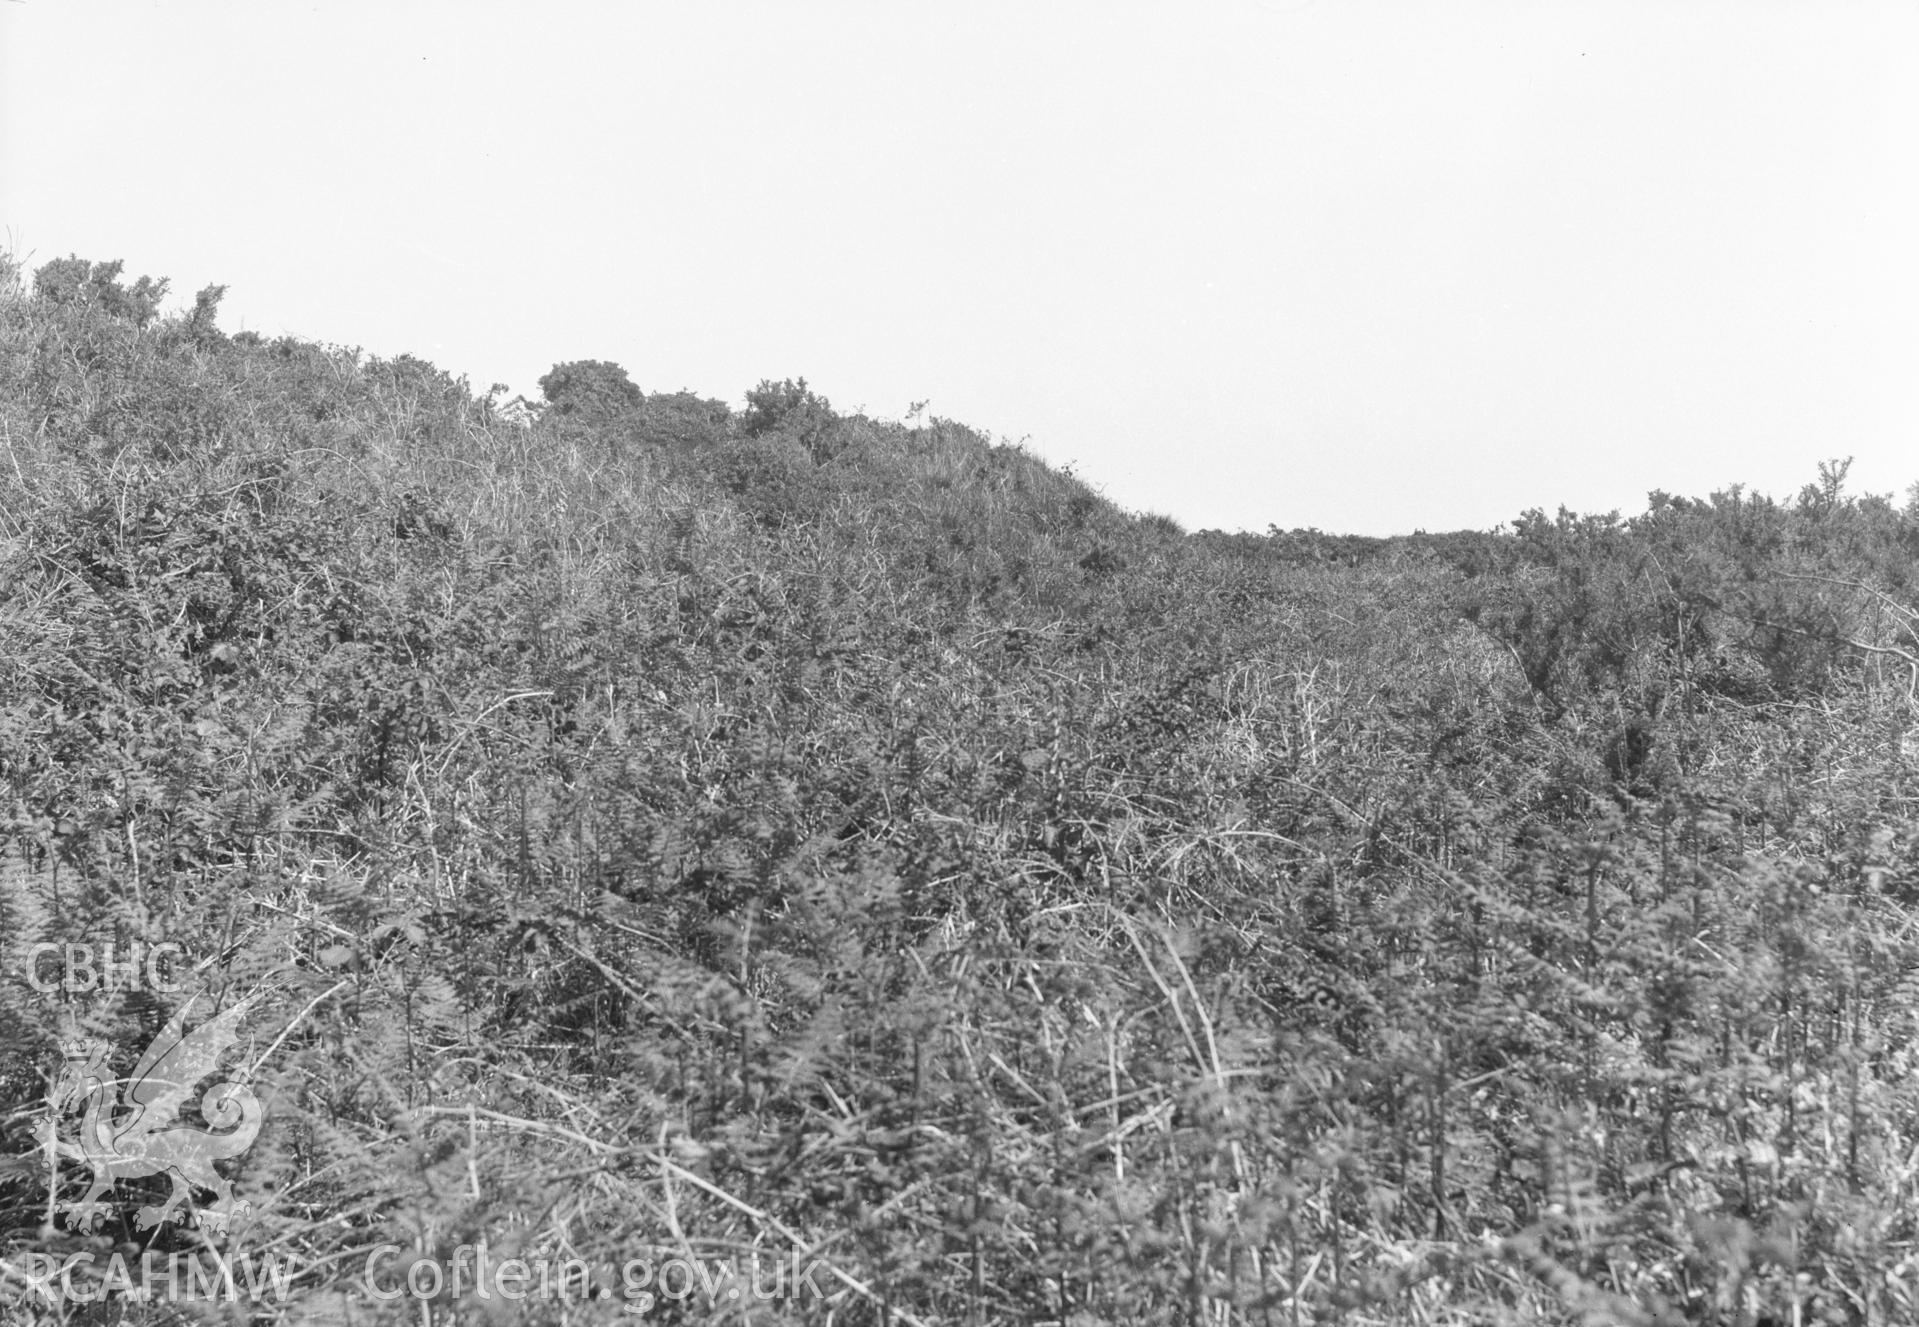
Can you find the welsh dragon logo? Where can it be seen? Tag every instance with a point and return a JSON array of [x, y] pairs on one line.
[[137, 1134]]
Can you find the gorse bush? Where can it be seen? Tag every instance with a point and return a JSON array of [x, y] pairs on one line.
[[685, 419], [97, 285], [795, 410], [654, 831], [590, 387]]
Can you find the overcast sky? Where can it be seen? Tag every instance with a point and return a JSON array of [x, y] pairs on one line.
[[1363, 266]]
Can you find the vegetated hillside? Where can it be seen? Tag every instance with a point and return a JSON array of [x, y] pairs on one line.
[[660, 829]]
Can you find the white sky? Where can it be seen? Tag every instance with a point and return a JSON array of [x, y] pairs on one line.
[[1364, 266]]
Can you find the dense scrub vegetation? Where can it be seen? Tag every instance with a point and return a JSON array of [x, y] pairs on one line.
[[656, 828]]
